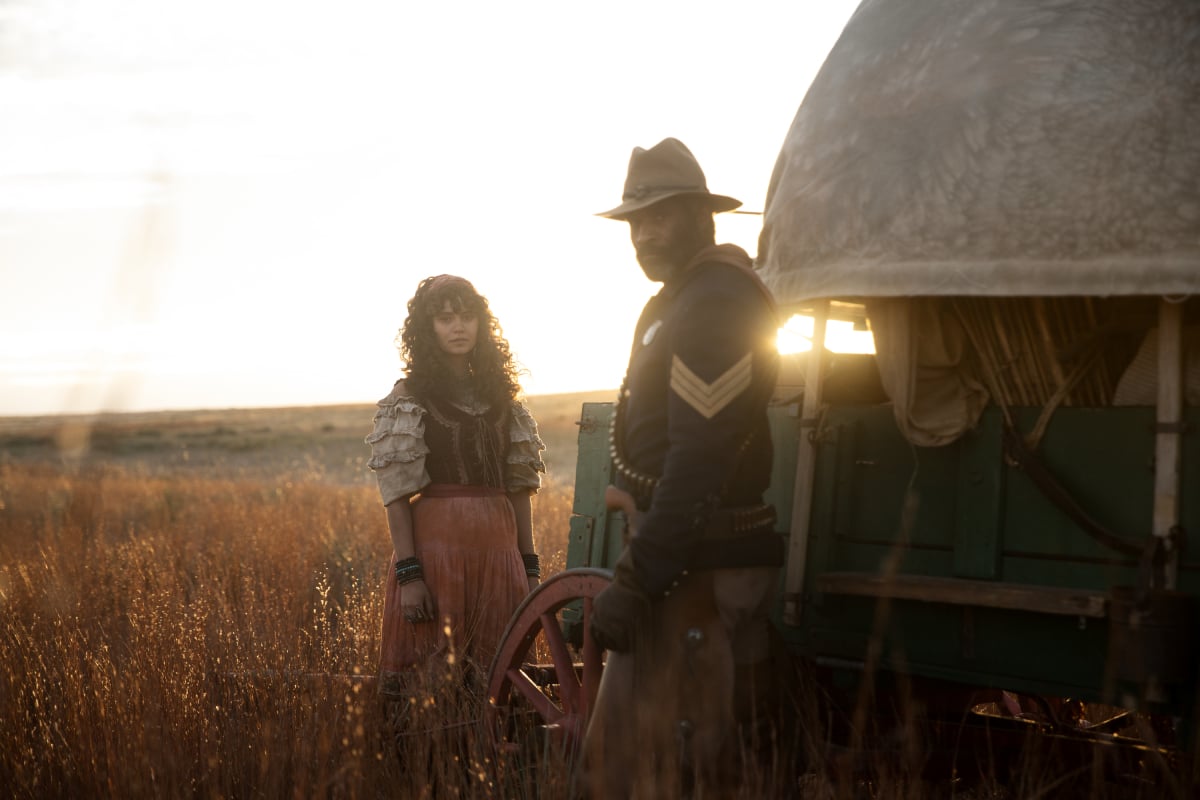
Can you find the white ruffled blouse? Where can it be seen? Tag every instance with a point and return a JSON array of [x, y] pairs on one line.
[[398, 448]]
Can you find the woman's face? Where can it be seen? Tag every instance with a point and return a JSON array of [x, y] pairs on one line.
[[456, 331]]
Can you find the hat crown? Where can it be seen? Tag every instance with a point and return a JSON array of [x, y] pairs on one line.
[[668, 166], [666, 170]]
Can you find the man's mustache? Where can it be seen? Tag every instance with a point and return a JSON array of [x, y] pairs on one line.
[[651, 252]]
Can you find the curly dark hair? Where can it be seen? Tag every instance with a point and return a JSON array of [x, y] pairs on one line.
[[426, 370]]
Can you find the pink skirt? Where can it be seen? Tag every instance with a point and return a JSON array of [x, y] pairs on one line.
[[466, 541]]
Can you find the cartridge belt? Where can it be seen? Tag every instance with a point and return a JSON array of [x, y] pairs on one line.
[[732, 522], [739, 537]]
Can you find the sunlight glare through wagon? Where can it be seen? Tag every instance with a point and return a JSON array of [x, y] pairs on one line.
[[841, 336]]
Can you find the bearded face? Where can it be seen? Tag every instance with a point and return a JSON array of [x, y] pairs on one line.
[[668, 234]]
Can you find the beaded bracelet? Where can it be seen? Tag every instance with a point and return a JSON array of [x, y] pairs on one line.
[[409, 570], [533, 564]]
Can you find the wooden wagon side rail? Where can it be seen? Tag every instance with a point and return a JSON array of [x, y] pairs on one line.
[[961, 591]]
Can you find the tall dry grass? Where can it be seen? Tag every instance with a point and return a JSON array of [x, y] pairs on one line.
[[167, 636], [166, 633]]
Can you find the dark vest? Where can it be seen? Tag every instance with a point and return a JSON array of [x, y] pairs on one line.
[[466, 448]]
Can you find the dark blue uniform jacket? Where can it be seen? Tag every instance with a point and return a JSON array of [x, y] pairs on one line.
[[694, 408]]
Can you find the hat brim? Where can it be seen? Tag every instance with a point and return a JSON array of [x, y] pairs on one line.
[[718, 203]]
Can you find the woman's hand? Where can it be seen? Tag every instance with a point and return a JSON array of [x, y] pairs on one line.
[[416, 602]]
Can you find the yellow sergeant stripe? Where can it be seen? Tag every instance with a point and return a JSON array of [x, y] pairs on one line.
[[709, 398]]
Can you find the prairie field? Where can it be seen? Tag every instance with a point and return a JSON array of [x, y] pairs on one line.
[[191, 606]]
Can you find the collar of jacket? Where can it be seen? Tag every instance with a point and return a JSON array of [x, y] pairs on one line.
[[729, 255]]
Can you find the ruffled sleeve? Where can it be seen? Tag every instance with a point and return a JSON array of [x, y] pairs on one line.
[[398, 446], [524, 467]]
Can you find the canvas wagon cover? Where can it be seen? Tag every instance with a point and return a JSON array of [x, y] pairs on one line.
[[996, 148]]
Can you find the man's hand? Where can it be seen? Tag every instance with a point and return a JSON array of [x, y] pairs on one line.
[[620, 500], [534, 581], [620, 609], [616, 614]]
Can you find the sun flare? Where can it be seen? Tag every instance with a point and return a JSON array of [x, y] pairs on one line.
[[841, 336]]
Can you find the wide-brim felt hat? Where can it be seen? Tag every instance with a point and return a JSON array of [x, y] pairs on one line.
[[666, 170]]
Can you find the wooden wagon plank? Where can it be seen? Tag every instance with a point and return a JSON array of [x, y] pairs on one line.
[[960, 591], [1167, 444], [806, 460]]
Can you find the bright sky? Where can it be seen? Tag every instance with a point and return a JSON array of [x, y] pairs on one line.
[[228, 203]]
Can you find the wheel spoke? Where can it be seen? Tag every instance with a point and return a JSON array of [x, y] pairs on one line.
[[508, 677], [564, 666], [591, 660], [536, 697]]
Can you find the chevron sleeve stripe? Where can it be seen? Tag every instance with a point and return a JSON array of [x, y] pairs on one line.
[[709, 398]]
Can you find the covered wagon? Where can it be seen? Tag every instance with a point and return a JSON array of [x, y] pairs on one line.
[[1008, 195]]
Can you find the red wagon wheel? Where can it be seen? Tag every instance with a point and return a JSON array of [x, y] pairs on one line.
[[561, 693]]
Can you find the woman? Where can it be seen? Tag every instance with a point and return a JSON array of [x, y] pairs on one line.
[[457, 458]]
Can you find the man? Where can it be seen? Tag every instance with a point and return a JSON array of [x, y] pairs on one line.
[[685, 619]]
